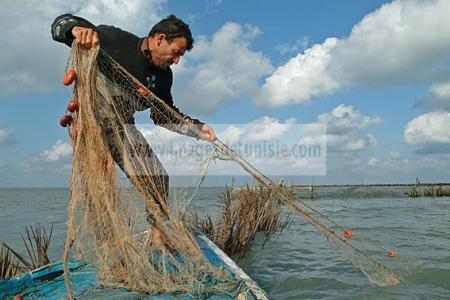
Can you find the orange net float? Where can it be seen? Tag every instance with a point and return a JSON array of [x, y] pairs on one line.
[[18, 297], [143, 91], [65, 120], [391, 253], [69, 77], [348, 234], [73, 106]]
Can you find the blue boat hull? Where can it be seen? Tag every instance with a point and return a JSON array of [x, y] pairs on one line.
[[48, 283]]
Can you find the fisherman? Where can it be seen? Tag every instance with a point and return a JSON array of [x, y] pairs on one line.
[[148, 59]]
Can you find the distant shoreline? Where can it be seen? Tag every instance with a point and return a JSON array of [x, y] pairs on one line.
[[371, 185], [294, 185]]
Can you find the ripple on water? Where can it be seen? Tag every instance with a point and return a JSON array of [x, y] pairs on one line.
[[299, 263]]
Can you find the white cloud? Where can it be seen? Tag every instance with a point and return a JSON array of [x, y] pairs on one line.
[[299, 46], [438, 98], [429, 132], [372, 162], [7, 135], [144, 13], [262, 129], [266, 142], [58, 151], [271, 145], [355, 144], [345, 118], [441, 90], [32, 61], [267, 128], [231, 135], [403, 42], [51, 161], [301, 78], [346, 129], [428, 129], [220, 70]]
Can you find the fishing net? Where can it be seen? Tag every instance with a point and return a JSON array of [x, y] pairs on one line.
[[366, 255], [133, 239]]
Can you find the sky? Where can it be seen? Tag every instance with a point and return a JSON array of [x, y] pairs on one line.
[[369, 81]]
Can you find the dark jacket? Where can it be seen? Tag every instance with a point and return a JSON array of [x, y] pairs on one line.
[[125, 48]]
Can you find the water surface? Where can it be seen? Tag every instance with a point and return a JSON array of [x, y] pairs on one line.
[[299, 263]]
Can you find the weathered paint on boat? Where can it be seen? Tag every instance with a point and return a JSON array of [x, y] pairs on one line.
[[47, 282]]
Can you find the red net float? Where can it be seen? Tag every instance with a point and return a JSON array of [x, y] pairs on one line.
[[69, 77], [391, 253], [348, 234], [72, 106], [143, 91], [65, 120]]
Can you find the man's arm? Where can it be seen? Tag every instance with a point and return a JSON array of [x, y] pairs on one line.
[[165, 119], [67, 27]]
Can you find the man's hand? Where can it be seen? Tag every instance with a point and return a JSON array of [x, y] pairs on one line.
[[87, 38], [208, 133]]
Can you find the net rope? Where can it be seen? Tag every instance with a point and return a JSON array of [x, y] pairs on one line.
[[359, 250], [102, 217], [133, 240]]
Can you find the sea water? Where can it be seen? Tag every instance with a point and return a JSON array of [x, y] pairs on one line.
[[298, 263]]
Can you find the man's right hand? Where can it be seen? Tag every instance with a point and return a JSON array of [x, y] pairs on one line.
[[87, 38]]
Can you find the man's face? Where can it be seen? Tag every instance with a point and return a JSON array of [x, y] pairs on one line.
[[165, 53]]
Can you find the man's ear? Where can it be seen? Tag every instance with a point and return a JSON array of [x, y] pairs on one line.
[[160, 37]]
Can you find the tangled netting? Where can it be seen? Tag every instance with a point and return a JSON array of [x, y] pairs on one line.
[[133, 239], [105, 220], [365, 254]]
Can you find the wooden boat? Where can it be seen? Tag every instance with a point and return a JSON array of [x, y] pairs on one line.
[[47, 282]]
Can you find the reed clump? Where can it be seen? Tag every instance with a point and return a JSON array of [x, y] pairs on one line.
[[36, 241], [244, 213], [9, 264], [416, 190], [437, 191]]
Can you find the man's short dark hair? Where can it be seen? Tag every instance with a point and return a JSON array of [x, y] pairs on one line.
[[173, 27]]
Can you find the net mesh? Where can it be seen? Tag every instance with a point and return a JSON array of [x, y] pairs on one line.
[[106, 220], [134, 240], [362, 252]]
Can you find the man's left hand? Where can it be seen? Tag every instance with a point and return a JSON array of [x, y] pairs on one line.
[[207, 133]]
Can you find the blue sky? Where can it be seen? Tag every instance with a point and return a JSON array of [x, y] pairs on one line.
[[376, 73]]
